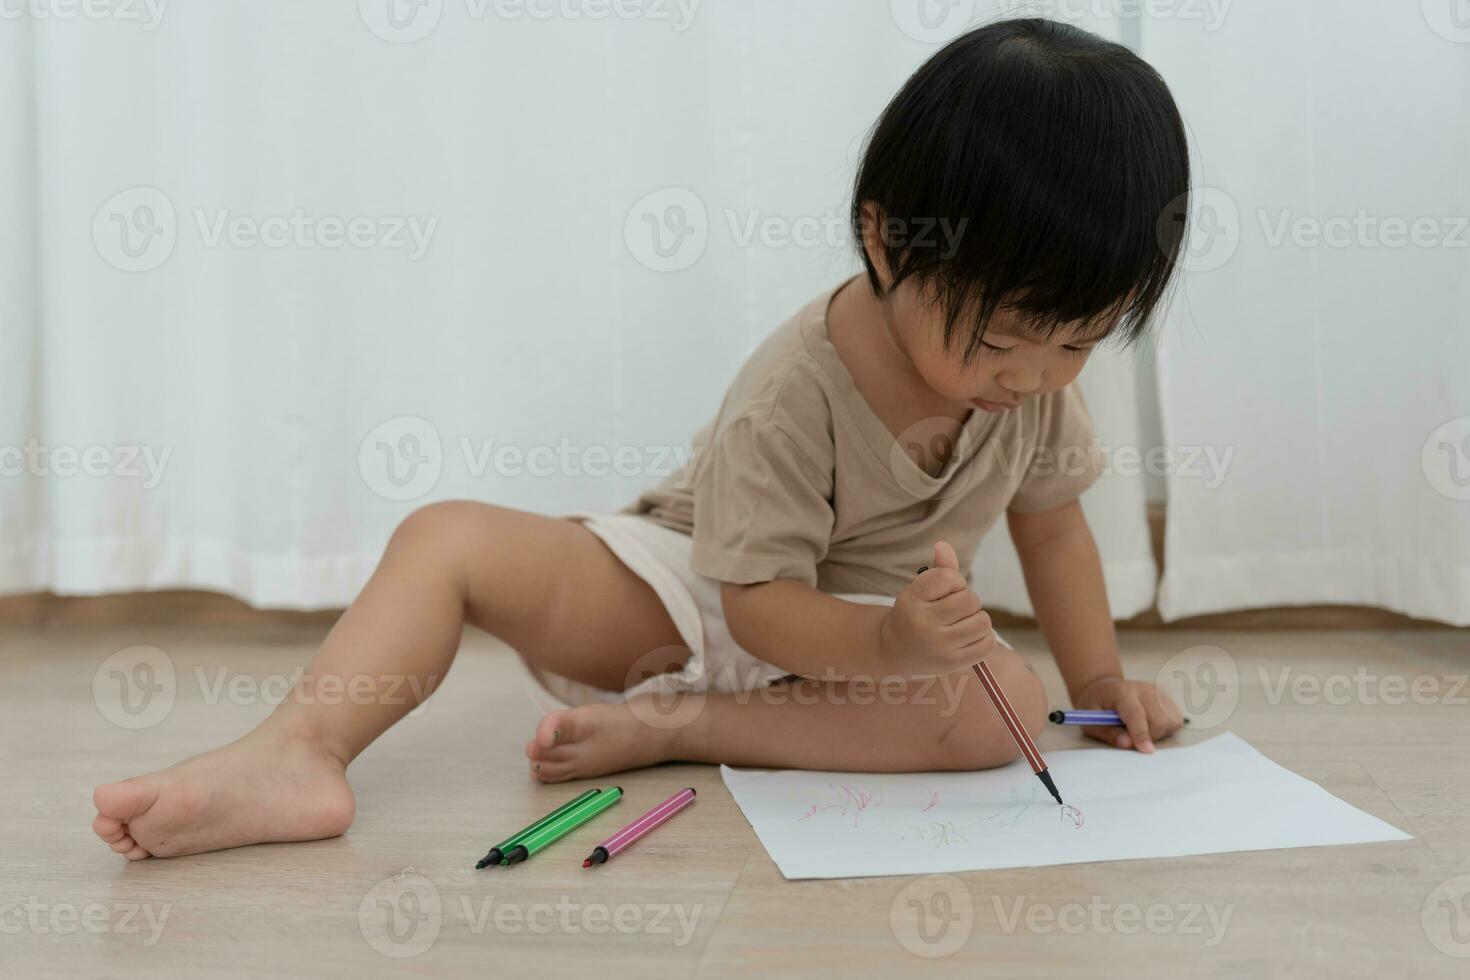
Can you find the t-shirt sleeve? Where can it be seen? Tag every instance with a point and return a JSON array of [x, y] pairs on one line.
[[762, 506], [1064, 461]]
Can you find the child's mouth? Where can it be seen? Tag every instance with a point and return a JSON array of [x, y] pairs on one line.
[[990, 406]]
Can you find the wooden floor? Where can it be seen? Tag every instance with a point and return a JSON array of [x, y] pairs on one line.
[[701, 898]]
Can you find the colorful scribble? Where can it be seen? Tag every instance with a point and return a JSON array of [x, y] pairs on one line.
[[1012, 812], [848, 802], [940, 833]]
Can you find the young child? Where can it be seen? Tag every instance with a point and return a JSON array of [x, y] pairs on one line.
[[1019, 201]]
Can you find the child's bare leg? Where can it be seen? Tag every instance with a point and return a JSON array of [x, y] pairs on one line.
[[548, 587], [948, 723]]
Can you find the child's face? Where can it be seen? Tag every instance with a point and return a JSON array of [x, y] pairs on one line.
[[1011, 365]]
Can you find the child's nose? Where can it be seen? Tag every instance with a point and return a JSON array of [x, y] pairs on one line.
[[1020, 380]]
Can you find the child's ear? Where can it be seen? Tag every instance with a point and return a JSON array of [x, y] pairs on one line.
[[872, 225]]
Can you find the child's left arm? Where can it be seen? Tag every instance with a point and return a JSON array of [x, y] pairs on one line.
[[1064, 577]]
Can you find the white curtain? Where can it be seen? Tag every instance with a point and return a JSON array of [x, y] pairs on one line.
[[1322, 341], [276, 273]]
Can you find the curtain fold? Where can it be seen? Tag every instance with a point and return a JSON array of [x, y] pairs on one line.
[[1321, 340]]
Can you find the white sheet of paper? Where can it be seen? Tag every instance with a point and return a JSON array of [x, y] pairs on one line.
[[1220, 795]]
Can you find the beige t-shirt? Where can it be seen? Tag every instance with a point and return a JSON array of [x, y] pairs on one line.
[[798, 478]]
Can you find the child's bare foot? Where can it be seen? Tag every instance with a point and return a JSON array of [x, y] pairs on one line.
[[595, 739], [265, 787]]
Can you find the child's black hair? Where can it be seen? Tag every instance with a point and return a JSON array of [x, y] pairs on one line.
[[1033, 166]]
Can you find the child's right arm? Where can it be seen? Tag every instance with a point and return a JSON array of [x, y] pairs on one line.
[[936, 626]]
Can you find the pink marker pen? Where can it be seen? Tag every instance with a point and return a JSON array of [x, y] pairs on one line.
[[640, 828]]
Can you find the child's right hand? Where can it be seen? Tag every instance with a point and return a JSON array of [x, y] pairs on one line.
[[937, 625]]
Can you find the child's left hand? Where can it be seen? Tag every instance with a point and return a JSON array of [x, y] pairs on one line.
[[1148, 713]]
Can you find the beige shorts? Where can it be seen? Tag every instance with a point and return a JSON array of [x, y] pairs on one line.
[[716, 663]]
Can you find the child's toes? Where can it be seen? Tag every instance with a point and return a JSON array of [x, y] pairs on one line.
[[551, 772], [557, 728], [538, 753], [126, 800], [123, 844], [108, 828], [138, 853]]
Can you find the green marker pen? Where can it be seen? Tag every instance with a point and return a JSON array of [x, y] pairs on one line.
[[555, 830], [497, 853]]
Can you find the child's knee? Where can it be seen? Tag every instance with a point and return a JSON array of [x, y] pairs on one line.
[[443, 528], [978, 738], [430, 521], [444, 542]]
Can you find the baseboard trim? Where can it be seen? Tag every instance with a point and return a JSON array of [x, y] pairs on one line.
[[195, 608]]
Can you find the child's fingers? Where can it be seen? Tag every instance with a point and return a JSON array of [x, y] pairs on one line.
[[1135, 718], [956, 606], [1108, 735], [1163, 717], [971, 629], [973, 653], [936, 583], [944, 556]]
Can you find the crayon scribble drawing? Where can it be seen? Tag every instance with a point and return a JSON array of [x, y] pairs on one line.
[[848, 801], [940, 833], [944, 834], [1013, 812], [933, 802]]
